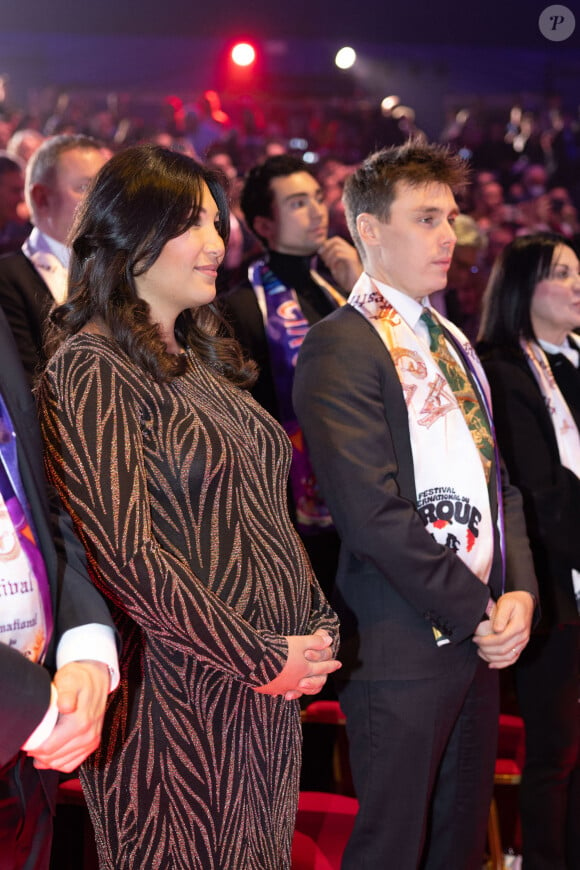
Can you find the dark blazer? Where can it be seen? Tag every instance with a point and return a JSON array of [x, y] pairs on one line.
[[394, 581], [26, 301], [551, 492], [24, 686]]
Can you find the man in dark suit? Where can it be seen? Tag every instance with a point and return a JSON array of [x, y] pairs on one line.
[[32, 279], [58, 657], [398, 429]]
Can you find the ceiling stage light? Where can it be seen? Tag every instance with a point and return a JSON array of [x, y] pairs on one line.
[[345, 58], [389, 103], [243, 54]]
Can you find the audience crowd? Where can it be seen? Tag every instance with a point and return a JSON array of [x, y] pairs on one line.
[[525, 180], [525, 164]]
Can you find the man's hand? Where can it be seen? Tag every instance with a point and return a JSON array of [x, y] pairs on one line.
[[342, 260], [82, 697], [308, 664], [502, 638]]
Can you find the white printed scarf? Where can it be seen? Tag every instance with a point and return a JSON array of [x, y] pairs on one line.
[[565, 429], [452, 494]]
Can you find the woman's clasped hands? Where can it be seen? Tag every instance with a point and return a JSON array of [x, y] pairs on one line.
[[310, 661]]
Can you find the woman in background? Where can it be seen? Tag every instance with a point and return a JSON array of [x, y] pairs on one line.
[[176, 480], [531, 358]]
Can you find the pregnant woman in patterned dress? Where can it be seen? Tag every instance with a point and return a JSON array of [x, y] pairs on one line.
[[176, 480]]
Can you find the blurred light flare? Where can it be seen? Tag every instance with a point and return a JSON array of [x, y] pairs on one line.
[[345, 57], [389, 103], [243, 54]]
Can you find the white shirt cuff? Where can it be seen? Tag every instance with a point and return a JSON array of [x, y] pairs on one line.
[[92, 642], [44, 729]]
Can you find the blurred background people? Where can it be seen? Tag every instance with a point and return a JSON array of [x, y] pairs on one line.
[[241, 241], [462, 296], [332, 175], [13, 230], [531, 357], [465, 285], [22, 145], [488, 210]]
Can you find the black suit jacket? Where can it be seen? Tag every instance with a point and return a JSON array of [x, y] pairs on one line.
[[24, 686], [551, 492], [26, 302], [394, 581]]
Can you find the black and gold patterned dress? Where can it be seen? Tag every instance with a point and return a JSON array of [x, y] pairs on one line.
[[178, 493]]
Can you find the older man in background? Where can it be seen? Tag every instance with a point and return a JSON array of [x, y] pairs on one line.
[[32, 279]]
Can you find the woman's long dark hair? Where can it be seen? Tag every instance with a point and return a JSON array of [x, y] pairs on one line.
[[507, 301], [142, 198]]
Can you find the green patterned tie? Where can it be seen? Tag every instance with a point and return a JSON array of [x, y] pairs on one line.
[[464, 393]]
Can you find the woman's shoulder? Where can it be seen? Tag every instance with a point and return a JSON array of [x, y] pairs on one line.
[[89, 355], [502, 358], [345, 328], [488, 352], [91, 345], [508, 371]]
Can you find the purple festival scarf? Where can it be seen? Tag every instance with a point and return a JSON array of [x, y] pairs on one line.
[[20, 514], [286, 328]]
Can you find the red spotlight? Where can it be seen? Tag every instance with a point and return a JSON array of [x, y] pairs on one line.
[[243, 54]]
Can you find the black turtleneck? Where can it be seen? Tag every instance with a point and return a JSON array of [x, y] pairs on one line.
[[294, 272], [241, 309]]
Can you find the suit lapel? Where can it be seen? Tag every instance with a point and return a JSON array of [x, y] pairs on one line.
[[20, 404]]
